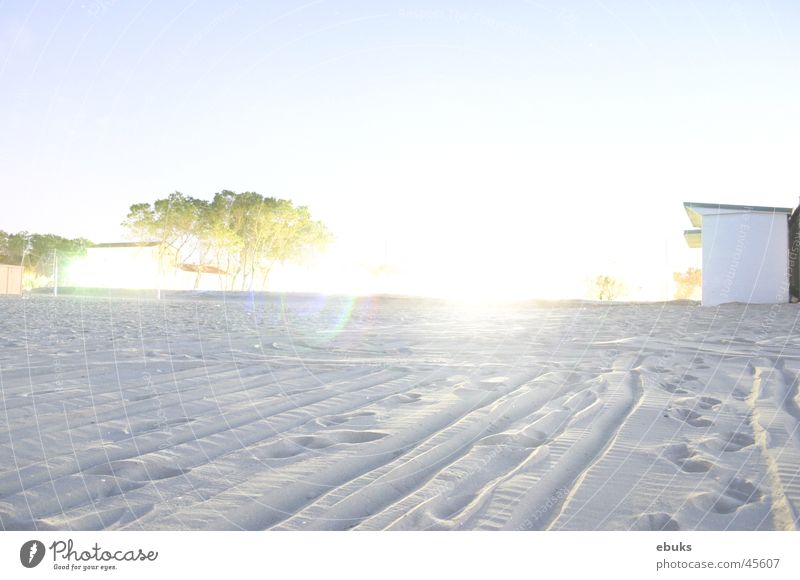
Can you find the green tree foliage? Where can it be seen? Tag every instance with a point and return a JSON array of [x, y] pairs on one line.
[[242, 235], [37, 253], [172, 221], [687, 282]]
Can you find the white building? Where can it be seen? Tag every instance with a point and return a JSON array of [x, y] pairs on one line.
[[140, 265], [745, 252]]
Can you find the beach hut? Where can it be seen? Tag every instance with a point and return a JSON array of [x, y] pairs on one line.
[[745, 252], [10, 279], [794, 255]]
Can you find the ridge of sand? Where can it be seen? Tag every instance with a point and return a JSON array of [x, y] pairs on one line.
[[294, 413]]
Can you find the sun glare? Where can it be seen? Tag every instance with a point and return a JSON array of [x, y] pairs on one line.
[[129, 274]]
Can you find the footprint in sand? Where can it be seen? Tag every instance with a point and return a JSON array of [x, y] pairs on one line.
[[334, 420], [709, 403], [739, 492], [120, 477], [135, 470], [735, 441], [298, 444], [292, 446], [350, 437], [690, 417], [672, 388], [740, 394], [657, 522], [404, 398], [686, 458]]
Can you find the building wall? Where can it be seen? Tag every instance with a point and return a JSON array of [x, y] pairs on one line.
[[794, 255], [116, 267], [10, 279], [745, 258], [132, 267]]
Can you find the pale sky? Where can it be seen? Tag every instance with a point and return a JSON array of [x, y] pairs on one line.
[[517, 147]]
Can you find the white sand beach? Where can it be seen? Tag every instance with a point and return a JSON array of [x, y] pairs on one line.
[[312, 413]]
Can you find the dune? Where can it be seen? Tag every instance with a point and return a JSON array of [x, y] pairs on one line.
[[255, 412]]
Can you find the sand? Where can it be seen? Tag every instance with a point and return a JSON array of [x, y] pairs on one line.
[[312, 413]]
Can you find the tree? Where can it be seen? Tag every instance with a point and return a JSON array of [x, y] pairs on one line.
[[687, 282], [173, 222], [255, 233], [244, 234], [607, 288], [37, 252]]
